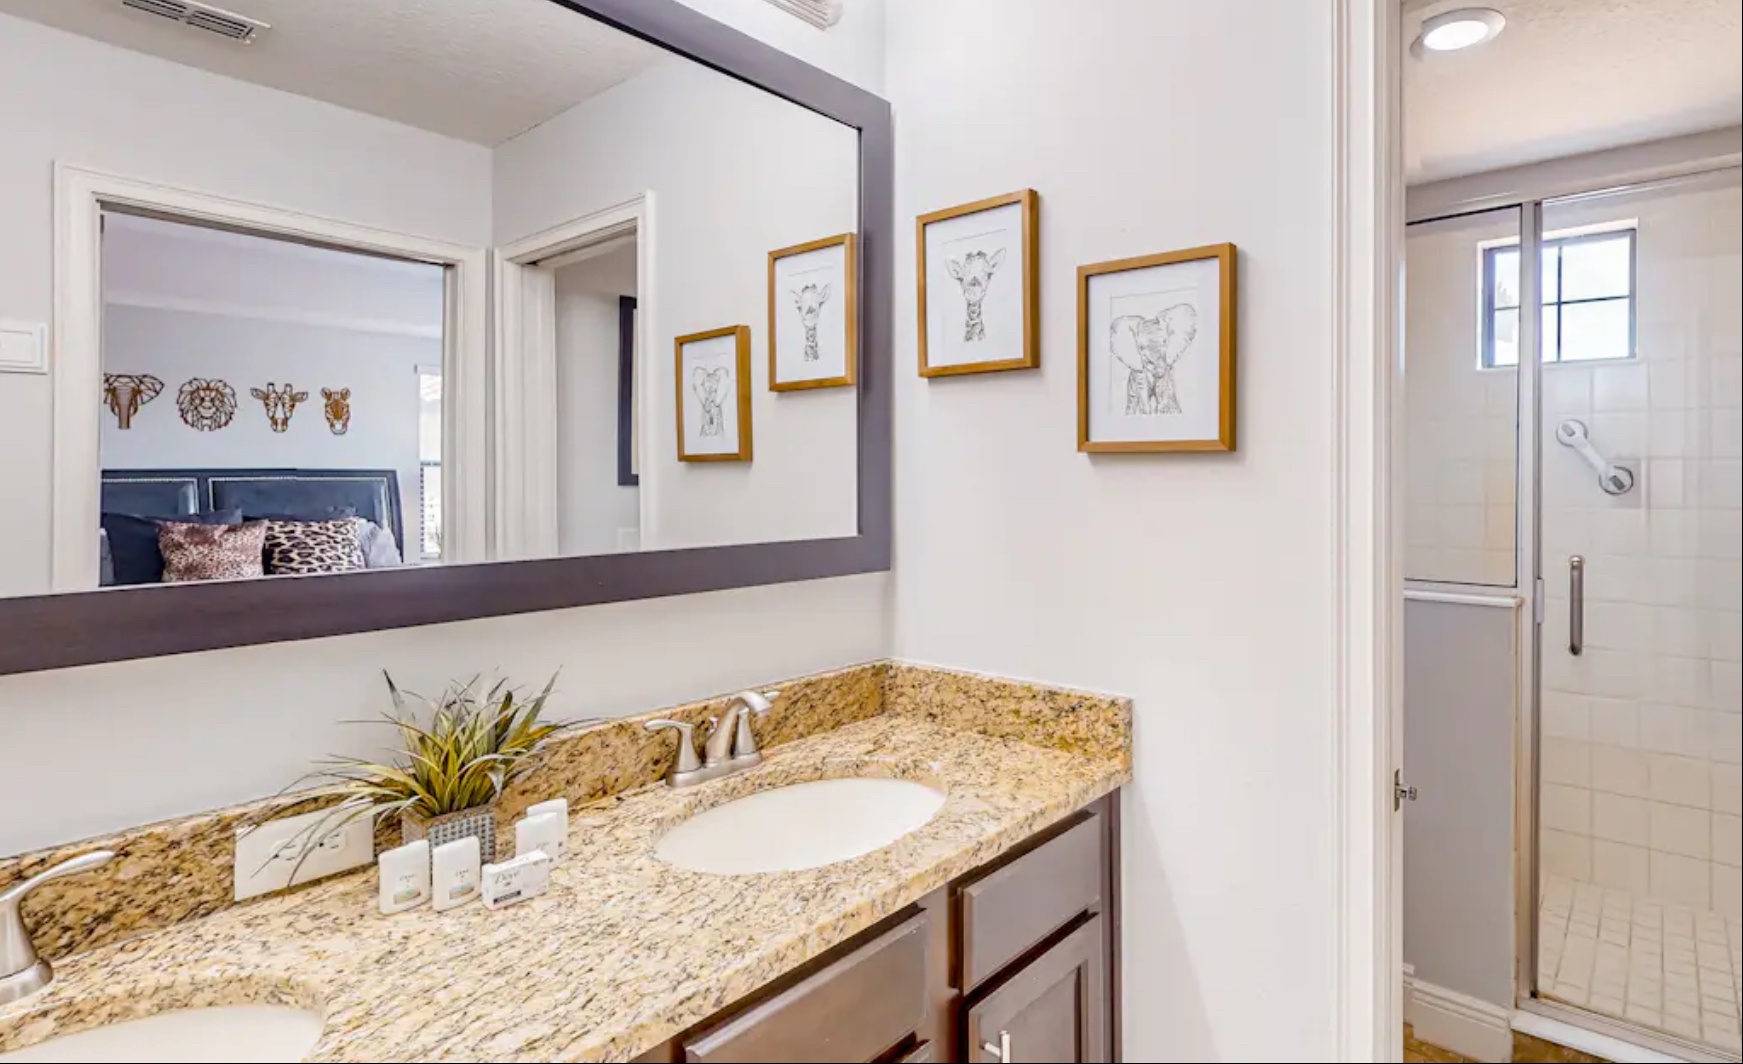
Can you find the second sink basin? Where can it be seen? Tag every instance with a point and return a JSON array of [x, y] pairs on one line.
[[806, 825], [240, 1033]]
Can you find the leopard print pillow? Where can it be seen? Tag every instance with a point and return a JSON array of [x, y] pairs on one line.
[[314, 546], [211, 552]]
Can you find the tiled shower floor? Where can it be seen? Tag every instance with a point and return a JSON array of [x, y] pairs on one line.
[[1649, 962]]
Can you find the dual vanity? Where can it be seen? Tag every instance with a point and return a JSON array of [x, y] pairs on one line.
[[924, 866]]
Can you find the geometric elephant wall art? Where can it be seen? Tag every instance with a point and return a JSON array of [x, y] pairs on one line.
[[125, 393]]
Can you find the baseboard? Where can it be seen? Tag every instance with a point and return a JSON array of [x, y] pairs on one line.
[[1451, 1020]]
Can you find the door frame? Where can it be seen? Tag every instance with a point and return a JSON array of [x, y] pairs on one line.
[[81, 195], [1367, 610], [524, 492]]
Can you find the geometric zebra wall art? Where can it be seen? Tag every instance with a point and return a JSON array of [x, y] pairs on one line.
[[1156, 353], [979, 291], [813, 314]]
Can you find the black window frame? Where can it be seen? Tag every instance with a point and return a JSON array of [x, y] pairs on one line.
[[1489, 308]]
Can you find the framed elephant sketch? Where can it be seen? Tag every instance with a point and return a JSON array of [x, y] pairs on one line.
[[814, 314], [980, 286], [1156, 352], [713, 371]]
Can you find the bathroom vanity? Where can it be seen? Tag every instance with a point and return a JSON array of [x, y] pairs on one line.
[[984, 931], [1016, 960]]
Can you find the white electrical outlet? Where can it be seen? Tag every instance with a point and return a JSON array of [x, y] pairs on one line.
[[268, 856]]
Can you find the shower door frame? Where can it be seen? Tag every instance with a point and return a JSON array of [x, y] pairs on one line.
[[1527, 189]]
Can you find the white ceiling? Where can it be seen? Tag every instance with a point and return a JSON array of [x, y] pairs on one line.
[[1569, 76], [478, 70]]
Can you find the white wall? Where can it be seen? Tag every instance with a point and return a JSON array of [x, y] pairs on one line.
[[263, 714], [66, 98], [736, 173], [1198, 584], [592, 508]]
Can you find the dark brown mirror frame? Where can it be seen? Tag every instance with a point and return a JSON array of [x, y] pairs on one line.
[[83, 628]]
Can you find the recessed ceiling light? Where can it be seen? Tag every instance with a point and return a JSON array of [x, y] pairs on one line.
[[1461, 28]]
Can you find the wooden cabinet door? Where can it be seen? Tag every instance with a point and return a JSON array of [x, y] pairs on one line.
[[1051, 1011]]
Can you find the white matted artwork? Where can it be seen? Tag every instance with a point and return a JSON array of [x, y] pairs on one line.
[[979, 293], [813, 314], [1156, 352], [713, 370]]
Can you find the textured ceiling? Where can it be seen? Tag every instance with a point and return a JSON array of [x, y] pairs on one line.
[[1568, 76], [479, 70]]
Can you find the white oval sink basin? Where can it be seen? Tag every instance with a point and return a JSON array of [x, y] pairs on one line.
[[248, 1034], [806, 825]]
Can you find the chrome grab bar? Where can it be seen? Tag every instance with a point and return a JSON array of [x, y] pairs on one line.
[[1576, 594]]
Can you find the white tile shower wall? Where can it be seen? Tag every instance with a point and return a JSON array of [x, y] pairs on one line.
[[1462, 438], [1642, 744]]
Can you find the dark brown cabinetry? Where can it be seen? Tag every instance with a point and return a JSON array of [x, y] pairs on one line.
[[1049, 1009], [1017, 960]]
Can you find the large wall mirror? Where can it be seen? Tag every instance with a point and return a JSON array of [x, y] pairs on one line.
[[322, 316]]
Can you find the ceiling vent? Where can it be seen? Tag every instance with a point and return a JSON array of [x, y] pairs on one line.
[[200, 16]]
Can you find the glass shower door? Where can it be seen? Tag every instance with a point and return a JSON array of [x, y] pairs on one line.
[[1639, 841]]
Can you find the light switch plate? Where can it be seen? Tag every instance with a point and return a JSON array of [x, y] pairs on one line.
[[23, 347], [267, 856]]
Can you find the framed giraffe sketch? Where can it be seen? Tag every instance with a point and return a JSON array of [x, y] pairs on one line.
[[814, 314], [1156, 352], [980, 286], [713, 371]]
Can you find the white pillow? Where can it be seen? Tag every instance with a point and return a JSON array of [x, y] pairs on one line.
[[379, 549]]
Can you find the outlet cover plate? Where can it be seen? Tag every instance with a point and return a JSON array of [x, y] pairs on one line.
[[267, 856]]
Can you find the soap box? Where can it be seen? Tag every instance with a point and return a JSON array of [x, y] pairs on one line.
[[517, 880]]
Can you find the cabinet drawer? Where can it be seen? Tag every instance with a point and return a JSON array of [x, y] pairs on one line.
[[922, 1054], [853, 1010], [1015, 907]]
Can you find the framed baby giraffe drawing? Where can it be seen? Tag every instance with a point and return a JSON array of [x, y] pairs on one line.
[[979, 286], [813, 314], [1156, 352]]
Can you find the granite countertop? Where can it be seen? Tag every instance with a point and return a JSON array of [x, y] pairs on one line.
[[624, 952]]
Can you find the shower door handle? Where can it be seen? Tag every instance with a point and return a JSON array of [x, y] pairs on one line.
[[1576, 600]]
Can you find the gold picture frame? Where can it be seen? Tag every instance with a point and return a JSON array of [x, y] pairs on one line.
[[1136, 351], [934, 363], [710, 395], [849, 244]]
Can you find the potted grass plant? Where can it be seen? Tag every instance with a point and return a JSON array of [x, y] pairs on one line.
[[458, 752]]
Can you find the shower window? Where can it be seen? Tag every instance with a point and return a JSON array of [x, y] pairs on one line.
[[1588, 298]]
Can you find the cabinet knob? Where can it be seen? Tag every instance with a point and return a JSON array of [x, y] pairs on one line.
[[1000, 1051]]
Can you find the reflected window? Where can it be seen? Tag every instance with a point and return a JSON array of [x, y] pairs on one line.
[[430, 462], [1588, 298]]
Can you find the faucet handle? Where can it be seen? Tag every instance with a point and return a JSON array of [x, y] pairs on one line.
[[759, 702], [84, 863], [22, 972], [687, 759]]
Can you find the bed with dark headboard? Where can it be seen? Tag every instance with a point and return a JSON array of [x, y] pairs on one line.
[[306, 494]]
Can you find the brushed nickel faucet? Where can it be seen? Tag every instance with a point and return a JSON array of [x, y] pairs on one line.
[[22, 972], [731, 745]]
